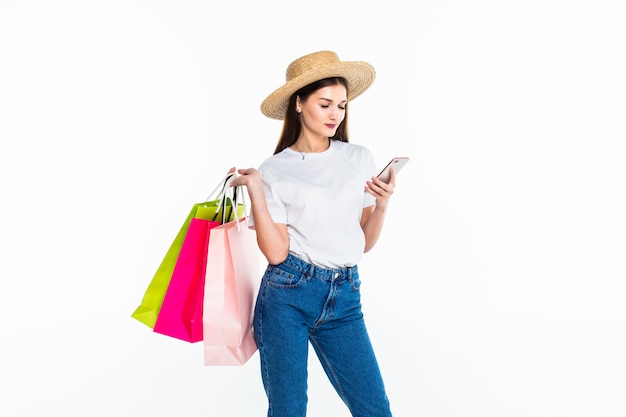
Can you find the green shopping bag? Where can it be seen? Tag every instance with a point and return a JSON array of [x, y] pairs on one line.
[[216, 209]]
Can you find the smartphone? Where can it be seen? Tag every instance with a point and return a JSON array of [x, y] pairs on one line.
[[396, 163]]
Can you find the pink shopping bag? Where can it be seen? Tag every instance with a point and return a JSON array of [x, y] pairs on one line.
[[231, 284], [180, 315]]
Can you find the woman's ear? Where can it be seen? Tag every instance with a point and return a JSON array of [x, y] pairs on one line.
[[298, 106]]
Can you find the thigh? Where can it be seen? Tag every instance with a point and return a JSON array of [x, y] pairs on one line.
[[282, 339], [347, 356]]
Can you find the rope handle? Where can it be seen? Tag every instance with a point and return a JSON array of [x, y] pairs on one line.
[[224, 192], [234, 194]]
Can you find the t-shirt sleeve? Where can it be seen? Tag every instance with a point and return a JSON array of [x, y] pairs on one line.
[[370, 166]]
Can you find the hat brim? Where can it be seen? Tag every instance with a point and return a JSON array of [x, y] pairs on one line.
[[360, 76]]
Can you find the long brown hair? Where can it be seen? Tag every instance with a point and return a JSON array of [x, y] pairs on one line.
[[292, 124]]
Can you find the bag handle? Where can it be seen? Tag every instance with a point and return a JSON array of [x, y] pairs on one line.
[[226, 193], [232, 193], [221, 196], [220, 186]]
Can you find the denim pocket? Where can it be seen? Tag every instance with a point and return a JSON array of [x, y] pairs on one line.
[[281, 278], [355, 282]]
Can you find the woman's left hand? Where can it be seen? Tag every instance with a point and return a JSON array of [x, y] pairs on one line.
[[381, 190]]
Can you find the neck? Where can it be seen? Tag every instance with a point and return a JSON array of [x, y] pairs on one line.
[[308, 145]]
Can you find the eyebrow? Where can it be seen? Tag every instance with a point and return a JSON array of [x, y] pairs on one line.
[[329, 100]]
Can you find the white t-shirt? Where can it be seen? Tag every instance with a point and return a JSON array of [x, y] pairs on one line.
[[321, 199]]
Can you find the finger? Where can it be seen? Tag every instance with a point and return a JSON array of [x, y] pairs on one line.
[[377, 182], [375, 189]]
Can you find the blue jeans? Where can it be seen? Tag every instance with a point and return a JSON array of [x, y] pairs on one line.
[[300, 303]]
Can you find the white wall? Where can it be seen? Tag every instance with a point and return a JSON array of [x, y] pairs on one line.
[[497, 288]]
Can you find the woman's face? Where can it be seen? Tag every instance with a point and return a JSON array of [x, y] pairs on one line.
[[323, 111]]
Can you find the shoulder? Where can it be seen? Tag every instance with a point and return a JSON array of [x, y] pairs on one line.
[[351, 149], [275, 160], [278, 165], [358, 154]]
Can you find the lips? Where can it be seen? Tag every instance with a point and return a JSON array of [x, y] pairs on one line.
[[330, 126]]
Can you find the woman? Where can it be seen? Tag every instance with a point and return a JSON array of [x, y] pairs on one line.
[[316, 208]]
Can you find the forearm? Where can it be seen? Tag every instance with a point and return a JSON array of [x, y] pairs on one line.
[[373, 226], [373, 219]]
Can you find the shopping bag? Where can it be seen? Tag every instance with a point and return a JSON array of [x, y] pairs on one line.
[[180, 315], [231, 284], [217, 208]]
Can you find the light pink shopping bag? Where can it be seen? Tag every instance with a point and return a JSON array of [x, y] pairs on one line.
[[181, 312], [231, 284]]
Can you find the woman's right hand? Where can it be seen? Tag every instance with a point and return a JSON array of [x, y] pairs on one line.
[[249, 177], [272, 238]]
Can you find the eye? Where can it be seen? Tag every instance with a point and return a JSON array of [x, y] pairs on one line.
[[342, 108]]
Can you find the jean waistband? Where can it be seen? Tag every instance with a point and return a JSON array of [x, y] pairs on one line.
[[319, 272]]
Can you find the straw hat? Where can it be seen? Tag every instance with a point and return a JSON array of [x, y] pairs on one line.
[[314, 67]]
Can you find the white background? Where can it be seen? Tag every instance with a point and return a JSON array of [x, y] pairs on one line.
[[497, 288]]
